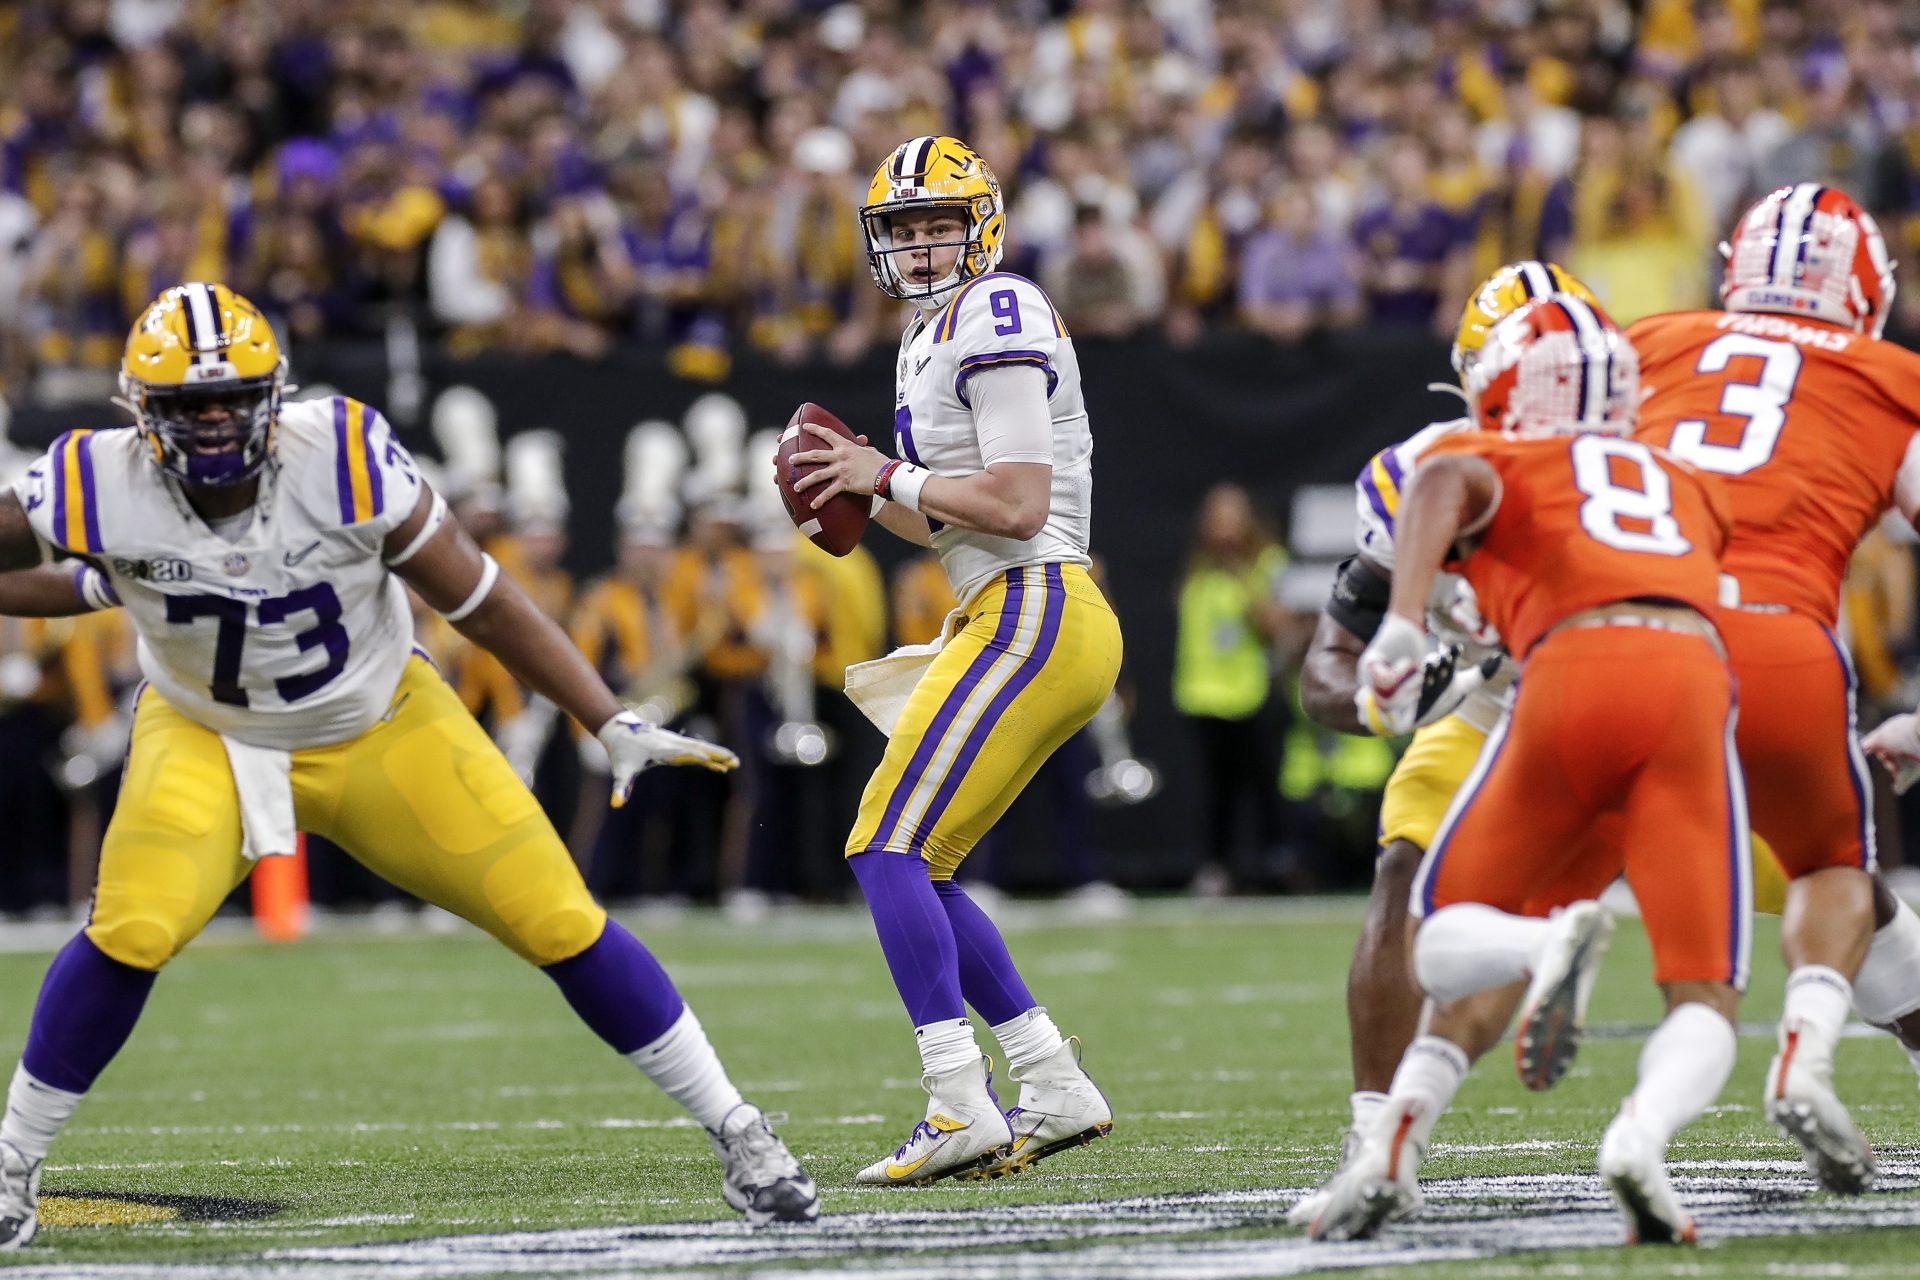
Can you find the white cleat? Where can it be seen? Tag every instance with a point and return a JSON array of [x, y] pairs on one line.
[[962, 1137], [1634, 1168], [1311, 1205], [1555, 1009], [759, 1176], [1380, 1182], [1060, 1108], [19, 1198], [1802, 1104]]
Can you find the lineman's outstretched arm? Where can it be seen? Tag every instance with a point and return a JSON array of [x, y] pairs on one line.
[[1328, 675]]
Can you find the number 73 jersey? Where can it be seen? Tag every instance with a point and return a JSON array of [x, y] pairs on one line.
[[289, 633], [1584, 521], [1813, 426]]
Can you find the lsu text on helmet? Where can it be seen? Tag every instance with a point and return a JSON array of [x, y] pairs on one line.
[[204, 376], [1557, 366], [933, 173], [1503, 293], [1810, 251]]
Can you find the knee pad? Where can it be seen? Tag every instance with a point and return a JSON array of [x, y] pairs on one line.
[[140, 942], [538, 895]]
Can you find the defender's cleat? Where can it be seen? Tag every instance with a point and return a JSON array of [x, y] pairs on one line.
[[1311, 1205], [1634, 1168], [1556, 1004], [962, 1136], [1379, 1184], [760, 1177], [1060, 1108], [1802, 1104], [19, 1198]]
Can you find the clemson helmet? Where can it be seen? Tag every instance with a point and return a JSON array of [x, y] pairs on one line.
[[1557, 366], [933, 173], [1809, 250], [1503, 293], [200, 347]]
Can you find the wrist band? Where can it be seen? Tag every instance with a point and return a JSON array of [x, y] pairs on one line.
[[94, 588], [489, 573], [905, 483], [883, 479]]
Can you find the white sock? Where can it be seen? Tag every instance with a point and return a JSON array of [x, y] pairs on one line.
[[1817, 1004], [686, 1068], [36, 1113], [1685, 1063], [1366, 1105], [946, 1047], [1429, 1075], [1468, 947], [1029, 1038], [1887, 988]]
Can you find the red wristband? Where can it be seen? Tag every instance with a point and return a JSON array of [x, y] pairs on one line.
[[882, 485]]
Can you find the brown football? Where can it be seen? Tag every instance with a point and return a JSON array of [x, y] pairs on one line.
[[837, 526]]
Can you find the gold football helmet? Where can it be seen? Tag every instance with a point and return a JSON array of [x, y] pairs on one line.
[[1500, 295], [203, 375], [934, 173]]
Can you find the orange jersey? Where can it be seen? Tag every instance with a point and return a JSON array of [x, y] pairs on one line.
[[1584, 521], [1810, 423]]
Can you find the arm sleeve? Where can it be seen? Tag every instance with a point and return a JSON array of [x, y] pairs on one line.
[[1011, 417], [1360, 597], [1000, 320]]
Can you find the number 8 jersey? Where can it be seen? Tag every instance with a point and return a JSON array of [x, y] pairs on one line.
[[1588, 520], [284, 627]]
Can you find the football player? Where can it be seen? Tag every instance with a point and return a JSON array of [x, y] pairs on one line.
[[1597, 559], [260, 550], [994, 471], [1814, 421]]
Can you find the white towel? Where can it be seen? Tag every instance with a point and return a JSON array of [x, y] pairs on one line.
[[263, 776], [880, 688]]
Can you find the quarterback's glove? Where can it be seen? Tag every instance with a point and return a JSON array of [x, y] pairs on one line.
[[634, 745], [1392, 676], [1896, 744]]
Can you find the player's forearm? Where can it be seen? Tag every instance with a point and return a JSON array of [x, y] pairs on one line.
[[902, 523], [49, 591], [1446, 496], [1329, 678], [999, 502], [537, 652]]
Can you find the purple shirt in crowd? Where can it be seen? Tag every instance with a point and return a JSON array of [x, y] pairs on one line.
[[1275, 268], [1425, 238]]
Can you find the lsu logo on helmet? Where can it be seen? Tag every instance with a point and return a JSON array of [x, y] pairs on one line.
[[933, 173], [203, 375], [1810, 251], [1503, 293], [1557, 366]]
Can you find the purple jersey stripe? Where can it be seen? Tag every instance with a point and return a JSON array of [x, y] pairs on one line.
[[342, 474], [368, 419], [1022, 677], [1391, 461], [1374, 500], [974, 364], [951, 318], [943, 719], [89, 503], [58, 455]]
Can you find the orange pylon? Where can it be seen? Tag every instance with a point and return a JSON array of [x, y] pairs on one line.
[[280, 895]]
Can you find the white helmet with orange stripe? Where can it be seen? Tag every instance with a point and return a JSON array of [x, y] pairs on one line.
[[1557, 366], [1809, 250]]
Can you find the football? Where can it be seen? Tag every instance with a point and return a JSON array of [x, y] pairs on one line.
[[837, 526]]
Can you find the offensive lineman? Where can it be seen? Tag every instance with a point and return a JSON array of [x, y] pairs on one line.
[[259, 550], [995, 474]]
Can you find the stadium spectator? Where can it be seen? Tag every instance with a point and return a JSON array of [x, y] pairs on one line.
[[1296, 278], [1725, 146], [1109, 282], [1414, 264]]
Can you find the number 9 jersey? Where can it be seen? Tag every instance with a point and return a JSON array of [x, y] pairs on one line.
[[283, 628]]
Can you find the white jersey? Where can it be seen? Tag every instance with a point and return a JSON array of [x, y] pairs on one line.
[[996, 320], [293, 635], [1377, 494]]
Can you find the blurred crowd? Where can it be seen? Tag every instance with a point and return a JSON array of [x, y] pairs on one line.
[[573, 174]]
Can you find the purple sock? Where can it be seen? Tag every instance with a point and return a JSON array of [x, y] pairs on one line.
[[914, 934], [987, 977], [619, 990], [86, 1010]]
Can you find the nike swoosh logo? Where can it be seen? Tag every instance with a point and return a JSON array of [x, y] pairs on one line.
[[923, 364], [908, 1170], [293, 558]]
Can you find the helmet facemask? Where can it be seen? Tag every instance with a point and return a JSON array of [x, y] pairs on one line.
[[883, 256], [194, 443]]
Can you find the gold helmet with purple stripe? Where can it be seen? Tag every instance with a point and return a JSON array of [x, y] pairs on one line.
[[933, 173]]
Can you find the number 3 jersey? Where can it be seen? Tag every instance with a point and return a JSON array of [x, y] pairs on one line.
[[1813, 425], [291, 632], [1584, 521], [998, 320]]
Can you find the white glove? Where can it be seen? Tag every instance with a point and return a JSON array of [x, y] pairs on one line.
[[1447, 680], [634, 745], [1896, 745], [1392, 674], [1462, 613]]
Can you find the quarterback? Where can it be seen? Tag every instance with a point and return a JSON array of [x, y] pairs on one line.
[[259, 549], [994, 472]]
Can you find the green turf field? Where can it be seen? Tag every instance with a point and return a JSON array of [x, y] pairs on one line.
[[350, 1106]]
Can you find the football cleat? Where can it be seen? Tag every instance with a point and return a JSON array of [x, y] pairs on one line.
[[1060, 1108], [1380, 1182], [1311, 1205], [19, 1198], [1802, 1104], [962, 1137], [1555, 1008], [759, 1176], [1634, 1168]]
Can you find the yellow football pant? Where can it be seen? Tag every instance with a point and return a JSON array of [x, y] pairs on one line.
[[424, 799], [1437, 763], [1037, 655]]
